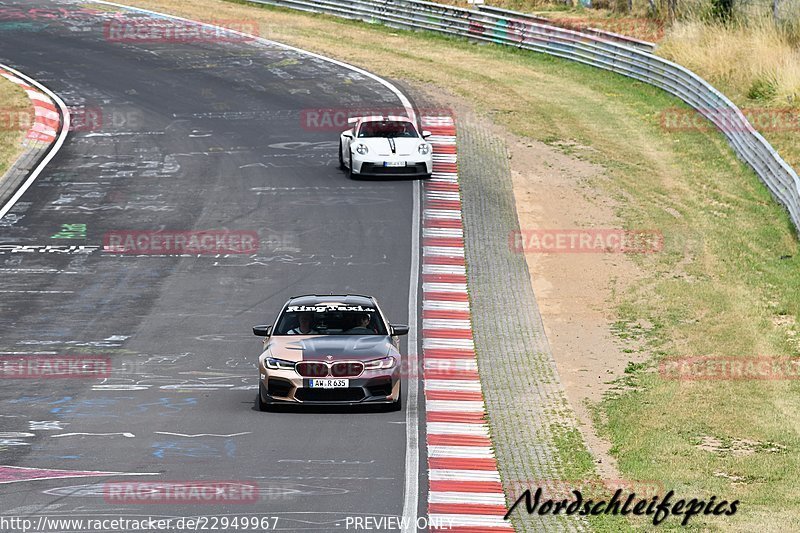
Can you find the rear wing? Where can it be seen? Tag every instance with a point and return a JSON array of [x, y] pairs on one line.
[[353, 120]]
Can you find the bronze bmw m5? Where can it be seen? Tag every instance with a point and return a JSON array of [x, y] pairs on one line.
[[328, 349]]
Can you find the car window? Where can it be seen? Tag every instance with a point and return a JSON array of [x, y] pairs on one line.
[[330, 320], [387, 128]]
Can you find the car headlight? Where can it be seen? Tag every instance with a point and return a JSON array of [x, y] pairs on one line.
[[362, 149], [424, 148], [278, 364], [379, 364]]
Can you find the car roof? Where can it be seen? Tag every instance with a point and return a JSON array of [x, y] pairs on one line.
[[347, 299]]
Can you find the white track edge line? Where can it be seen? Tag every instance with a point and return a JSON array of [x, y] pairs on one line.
[[410, 505]]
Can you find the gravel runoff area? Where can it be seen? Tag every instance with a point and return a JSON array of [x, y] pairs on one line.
[[527, 406]]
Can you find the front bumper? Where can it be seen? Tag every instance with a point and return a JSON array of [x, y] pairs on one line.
[[372, 166], [372, 386]]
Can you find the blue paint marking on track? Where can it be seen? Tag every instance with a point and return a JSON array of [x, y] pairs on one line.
[[171, 404], [177, 449]]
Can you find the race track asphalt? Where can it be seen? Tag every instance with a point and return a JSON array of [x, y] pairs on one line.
[[182, 136]]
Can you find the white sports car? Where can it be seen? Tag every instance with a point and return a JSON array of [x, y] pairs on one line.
[[385, 146]]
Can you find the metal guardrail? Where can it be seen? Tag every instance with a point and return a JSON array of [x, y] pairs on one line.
[[589, 49], [602, 34]]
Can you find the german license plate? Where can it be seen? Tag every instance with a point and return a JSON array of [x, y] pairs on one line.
[[328, 383], [394, 163]]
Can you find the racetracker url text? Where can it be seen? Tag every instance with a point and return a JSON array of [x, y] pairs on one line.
[[52, 524]]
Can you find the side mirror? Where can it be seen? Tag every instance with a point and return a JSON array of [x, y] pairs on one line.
[[399, 329], [426, 134], [262, 331], [348, 134]]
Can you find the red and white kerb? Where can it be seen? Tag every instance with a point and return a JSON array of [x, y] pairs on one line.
[[465, 493], [46, 119]]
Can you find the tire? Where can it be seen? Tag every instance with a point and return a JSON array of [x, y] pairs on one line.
[[396, 405], [262, 405], [349, 170], [341, 159]]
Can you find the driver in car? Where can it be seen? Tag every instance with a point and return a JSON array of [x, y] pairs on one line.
[[304, 328], [361, 326]]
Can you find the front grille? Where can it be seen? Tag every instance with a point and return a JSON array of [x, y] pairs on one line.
[[380, 387], [278, 387], [340, 369], [373, 168], [311, 369], [347, 369], [355, 394]]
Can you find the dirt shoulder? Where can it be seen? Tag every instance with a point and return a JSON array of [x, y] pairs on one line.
[[575, 291]]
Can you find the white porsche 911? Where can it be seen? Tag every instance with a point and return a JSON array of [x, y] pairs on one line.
[[385, 146]]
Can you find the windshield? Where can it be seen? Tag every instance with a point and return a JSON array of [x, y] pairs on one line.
[[327, 319], [387, 128]]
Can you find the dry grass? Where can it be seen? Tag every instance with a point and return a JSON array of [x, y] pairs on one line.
[[14, 104], [750, 62], [755, 64]]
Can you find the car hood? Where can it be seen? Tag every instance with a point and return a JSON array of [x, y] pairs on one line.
[[382, 146], [318, 347]]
